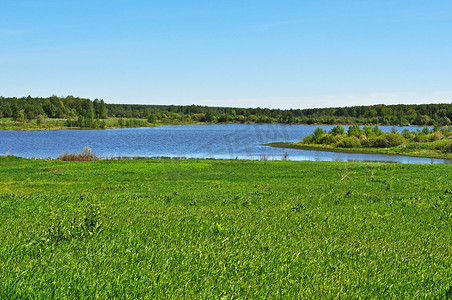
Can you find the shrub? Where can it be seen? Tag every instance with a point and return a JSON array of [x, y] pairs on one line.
[[364, 140], [418, 146], [387, 140], [443, 146], [368, 131], [354, 130], [420, 137], [377, 131], [337, 130], [425, 130], [434, 136], [349, 142], [407, 134], [445, 131], [317, 135], [307, 140], [394, 139], [328, 139]]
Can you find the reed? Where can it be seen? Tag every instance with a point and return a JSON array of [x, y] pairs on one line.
[[86, 155]]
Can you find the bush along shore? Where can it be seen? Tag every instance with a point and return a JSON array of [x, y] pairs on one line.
[[434, 143]]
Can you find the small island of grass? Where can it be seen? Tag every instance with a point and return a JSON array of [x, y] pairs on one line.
[[434, 143]]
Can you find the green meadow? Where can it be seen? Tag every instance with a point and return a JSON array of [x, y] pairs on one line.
[[198, 229]]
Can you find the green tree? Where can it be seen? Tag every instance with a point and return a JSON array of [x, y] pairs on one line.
[[354, 130], [102, 110], [337, 130]]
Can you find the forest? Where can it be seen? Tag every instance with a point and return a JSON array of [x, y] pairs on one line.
[[83, 112]]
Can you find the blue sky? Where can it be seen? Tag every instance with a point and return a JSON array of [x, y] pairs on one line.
[[276, 54]]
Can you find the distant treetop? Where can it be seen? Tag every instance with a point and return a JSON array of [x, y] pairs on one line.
[[73, 107]]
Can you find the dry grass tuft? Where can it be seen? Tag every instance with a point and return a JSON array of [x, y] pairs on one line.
[[86, 155]]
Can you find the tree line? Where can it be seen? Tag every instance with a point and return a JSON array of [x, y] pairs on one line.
[[52, 107], [83, 112]]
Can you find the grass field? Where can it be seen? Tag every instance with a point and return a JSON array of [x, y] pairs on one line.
[[224, 229]]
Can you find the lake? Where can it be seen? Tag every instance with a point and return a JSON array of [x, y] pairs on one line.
[[224, 141]]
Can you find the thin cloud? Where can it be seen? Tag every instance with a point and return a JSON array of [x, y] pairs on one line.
[[443, 94], [9, 32]]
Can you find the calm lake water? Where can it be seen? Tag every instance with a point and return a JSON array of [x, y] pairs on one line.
[[227, 141]]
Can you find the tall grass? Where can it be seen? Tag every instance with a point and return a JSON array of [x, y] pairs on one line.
[[214, 229], [86, 155]]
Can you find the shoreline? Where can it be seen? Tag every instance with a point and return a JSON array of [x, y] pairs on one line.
[[56, 127], [375, 151]]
